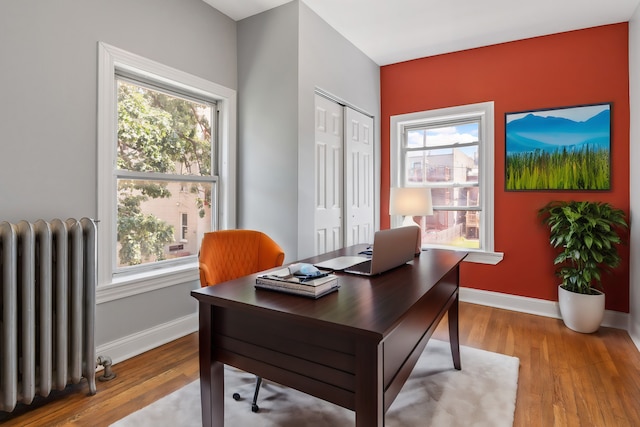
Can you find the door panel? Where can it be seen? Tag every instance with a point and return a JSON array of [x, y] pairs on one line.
[[329, 179], [359, 178], [344, 168]]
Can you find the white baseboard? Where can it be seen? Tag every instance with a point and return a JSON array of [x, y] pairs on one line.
[[635, 339], [634, 333], [612, 319], [138, 343]]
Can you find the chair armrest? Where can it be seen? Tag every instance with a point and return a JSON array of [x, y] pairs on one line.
[[205, 275]]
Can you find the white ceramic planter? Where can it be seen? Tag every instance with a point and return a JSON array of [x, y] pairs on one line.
[[581, 312]]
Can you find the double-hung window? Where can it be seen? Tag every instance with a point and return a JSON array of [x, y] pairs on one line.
[[163, 143], [449, 151], [164, 172]]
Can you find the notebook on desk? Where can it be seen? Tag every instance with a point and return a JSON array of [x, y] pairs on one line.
[[391, 248]]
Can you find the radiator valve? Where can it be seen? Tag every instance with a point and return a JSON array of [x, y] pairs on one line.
[[108, 374]]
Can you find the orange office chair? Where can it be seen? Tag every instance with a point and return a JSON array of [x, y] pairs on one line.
[[229, 254]]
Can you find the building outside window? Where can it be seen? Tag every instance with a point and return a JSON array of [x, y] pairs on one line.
[[445, 159]]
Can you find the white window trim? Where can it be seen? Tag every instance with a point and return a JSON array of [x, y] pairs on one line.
[[484, 111], [110, 59]]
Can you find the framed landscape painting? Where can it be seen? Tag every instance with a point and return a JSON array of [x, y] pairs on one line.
[[565, 148]]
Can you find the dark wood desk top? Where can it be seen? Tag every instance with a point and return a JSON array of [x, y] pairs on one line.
[[370, 306]]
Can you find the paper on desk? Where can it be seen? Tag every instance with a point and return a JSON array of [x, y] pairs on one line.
[[341, 262]]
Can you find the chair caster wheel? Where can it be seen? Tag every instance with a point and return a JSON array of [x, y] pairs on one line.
[[255, 408], [236, 396]]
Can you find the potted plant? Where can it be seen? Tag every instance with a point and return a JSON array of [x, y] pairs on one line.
[[588, 234]]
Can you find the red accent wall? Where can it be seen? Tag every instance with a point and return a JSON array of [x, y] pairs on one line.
[[578, 67]]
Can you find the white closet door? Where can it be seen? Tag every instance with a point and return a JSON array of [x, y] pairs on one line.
[[328, 220], [358, 178]]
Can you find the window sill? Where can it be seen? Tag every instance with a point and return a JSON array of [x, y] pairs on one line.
[[475, 255], [492, 258], [134, 284]]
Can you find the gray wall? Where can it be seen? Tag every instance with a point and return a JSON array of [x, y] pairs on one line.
[[634, 149], [48, 87], [283, 55], [267, 124]]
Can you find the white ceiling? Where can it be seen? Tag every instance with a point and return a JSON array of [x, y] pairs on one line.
[[390, 31]]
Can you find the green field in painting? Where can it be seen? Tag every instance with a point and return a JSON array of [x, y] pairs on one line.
[[562, 170]]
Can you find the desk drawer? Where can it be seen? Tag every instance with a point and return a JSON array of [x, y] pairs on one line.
[[303, 356]]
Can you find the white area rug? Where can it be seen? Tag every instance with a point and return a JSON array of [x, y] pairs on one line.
[[483, 393]]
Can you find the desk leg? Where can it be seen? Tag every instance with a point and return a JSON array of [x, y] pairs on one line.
[[211, 373], [454, 338], [369, 387]]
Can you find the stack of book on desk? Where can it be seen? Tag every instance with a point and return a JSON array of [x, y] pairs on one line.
[[284, 281]]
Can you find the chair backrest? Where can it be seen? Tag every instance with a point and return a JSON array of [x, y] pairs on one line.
[[229, 254]]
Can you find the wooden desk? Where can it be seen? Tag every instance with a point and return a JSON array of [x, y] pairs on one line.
[[355, 347]]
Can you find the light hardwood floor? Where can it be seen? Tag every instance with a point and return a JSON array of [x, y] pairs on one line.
[[566, 378]]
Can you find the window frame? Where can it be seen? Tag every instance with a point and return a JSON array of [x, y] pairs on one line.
[[482, 112], [114, 62], [184, 226]]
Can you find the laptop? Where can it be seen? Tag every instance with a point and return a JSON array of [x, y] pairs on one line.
[[391, 248]]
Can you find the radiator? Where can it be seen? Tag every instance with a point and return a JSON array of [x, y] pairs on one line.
[[47, 309]]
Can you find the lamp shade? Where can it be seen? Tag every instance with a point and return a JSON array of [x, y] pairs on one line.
[[410, 201]]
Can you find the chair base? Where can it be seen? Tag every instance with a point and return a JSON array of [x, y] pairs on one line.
[[254, 404]]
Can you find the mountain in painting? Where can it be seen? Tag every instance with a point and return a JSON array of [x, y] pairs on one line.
[[535, 133]]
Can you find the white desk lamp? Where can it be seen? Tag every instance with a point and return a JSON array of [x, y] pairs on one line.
[[410, 202]]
